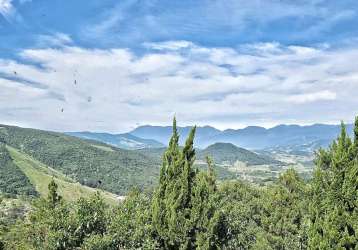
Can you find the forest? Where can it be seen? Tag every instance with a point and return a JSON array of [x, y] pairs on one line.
[[190, 209]]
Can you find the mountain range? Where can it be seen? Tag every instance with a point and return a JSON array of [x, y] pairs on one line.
[[253, 137], [287, 137]]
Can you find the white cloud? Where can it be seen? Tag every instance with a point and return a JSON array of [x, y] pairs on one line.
[[169, 45], [256, 84], [57, 39], [6, 8], [312, 97]]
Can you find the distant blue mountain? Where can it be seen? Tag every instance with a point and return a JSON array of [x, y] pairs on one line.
[[163, 133], [252, 137], [125, 141]]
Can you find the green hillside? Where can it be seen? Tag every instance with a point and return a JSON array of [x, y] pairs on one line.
[[40, 176], [13, 181], [222, 153], [87, 162], [227, 153]]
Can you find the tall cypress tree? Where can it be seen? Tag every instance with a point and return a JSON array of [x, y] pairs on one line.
[[356, 132], [168, 173], [334, 204], [183, 210]]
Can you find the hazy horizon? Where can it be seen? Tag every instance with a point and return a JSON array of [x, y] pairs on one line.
[[182, 126]]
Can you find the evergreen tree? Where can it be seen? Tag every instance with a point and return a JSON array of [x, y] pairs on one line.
[[52, 224], [242, 206], [207, 220], [356, 131], [183, 212], [334, 204], [284, 214], [53, 197]]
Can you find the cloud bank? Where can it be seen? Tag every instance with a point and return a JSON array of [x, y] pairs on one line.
[[74, 88]]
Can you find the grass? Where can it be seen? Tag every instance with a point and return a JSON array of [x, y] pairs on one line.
[[40, 176], [108, 149]]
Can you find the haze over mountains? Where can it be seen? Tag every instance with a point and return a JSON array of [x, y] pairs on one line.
[[252, 137], [125, 141], [295, 137]]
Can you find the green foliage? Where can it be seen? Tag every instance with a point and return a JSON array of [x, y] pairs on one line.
[[241, 205], [334, 204], [356, 131], [185, 215], [11, 210], [131, 224], [91, 217], [53, 197], [54, 224], [99, 242], [13, 181], [284, 213]]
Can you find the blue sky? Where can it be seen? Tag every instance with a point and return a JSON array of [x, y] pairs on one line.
[[222, 63]]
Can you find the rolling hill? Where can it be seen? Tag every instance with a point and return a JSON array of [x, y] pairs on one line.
[[124, 141], [227, 153], [90, 163], [222, 153]]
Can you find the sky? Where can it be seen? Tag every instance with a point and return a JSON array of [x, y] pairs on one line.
[[109, 65]]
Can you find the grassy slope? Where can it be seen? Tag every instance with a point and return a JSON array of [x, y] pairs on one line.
[[40, 176]]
